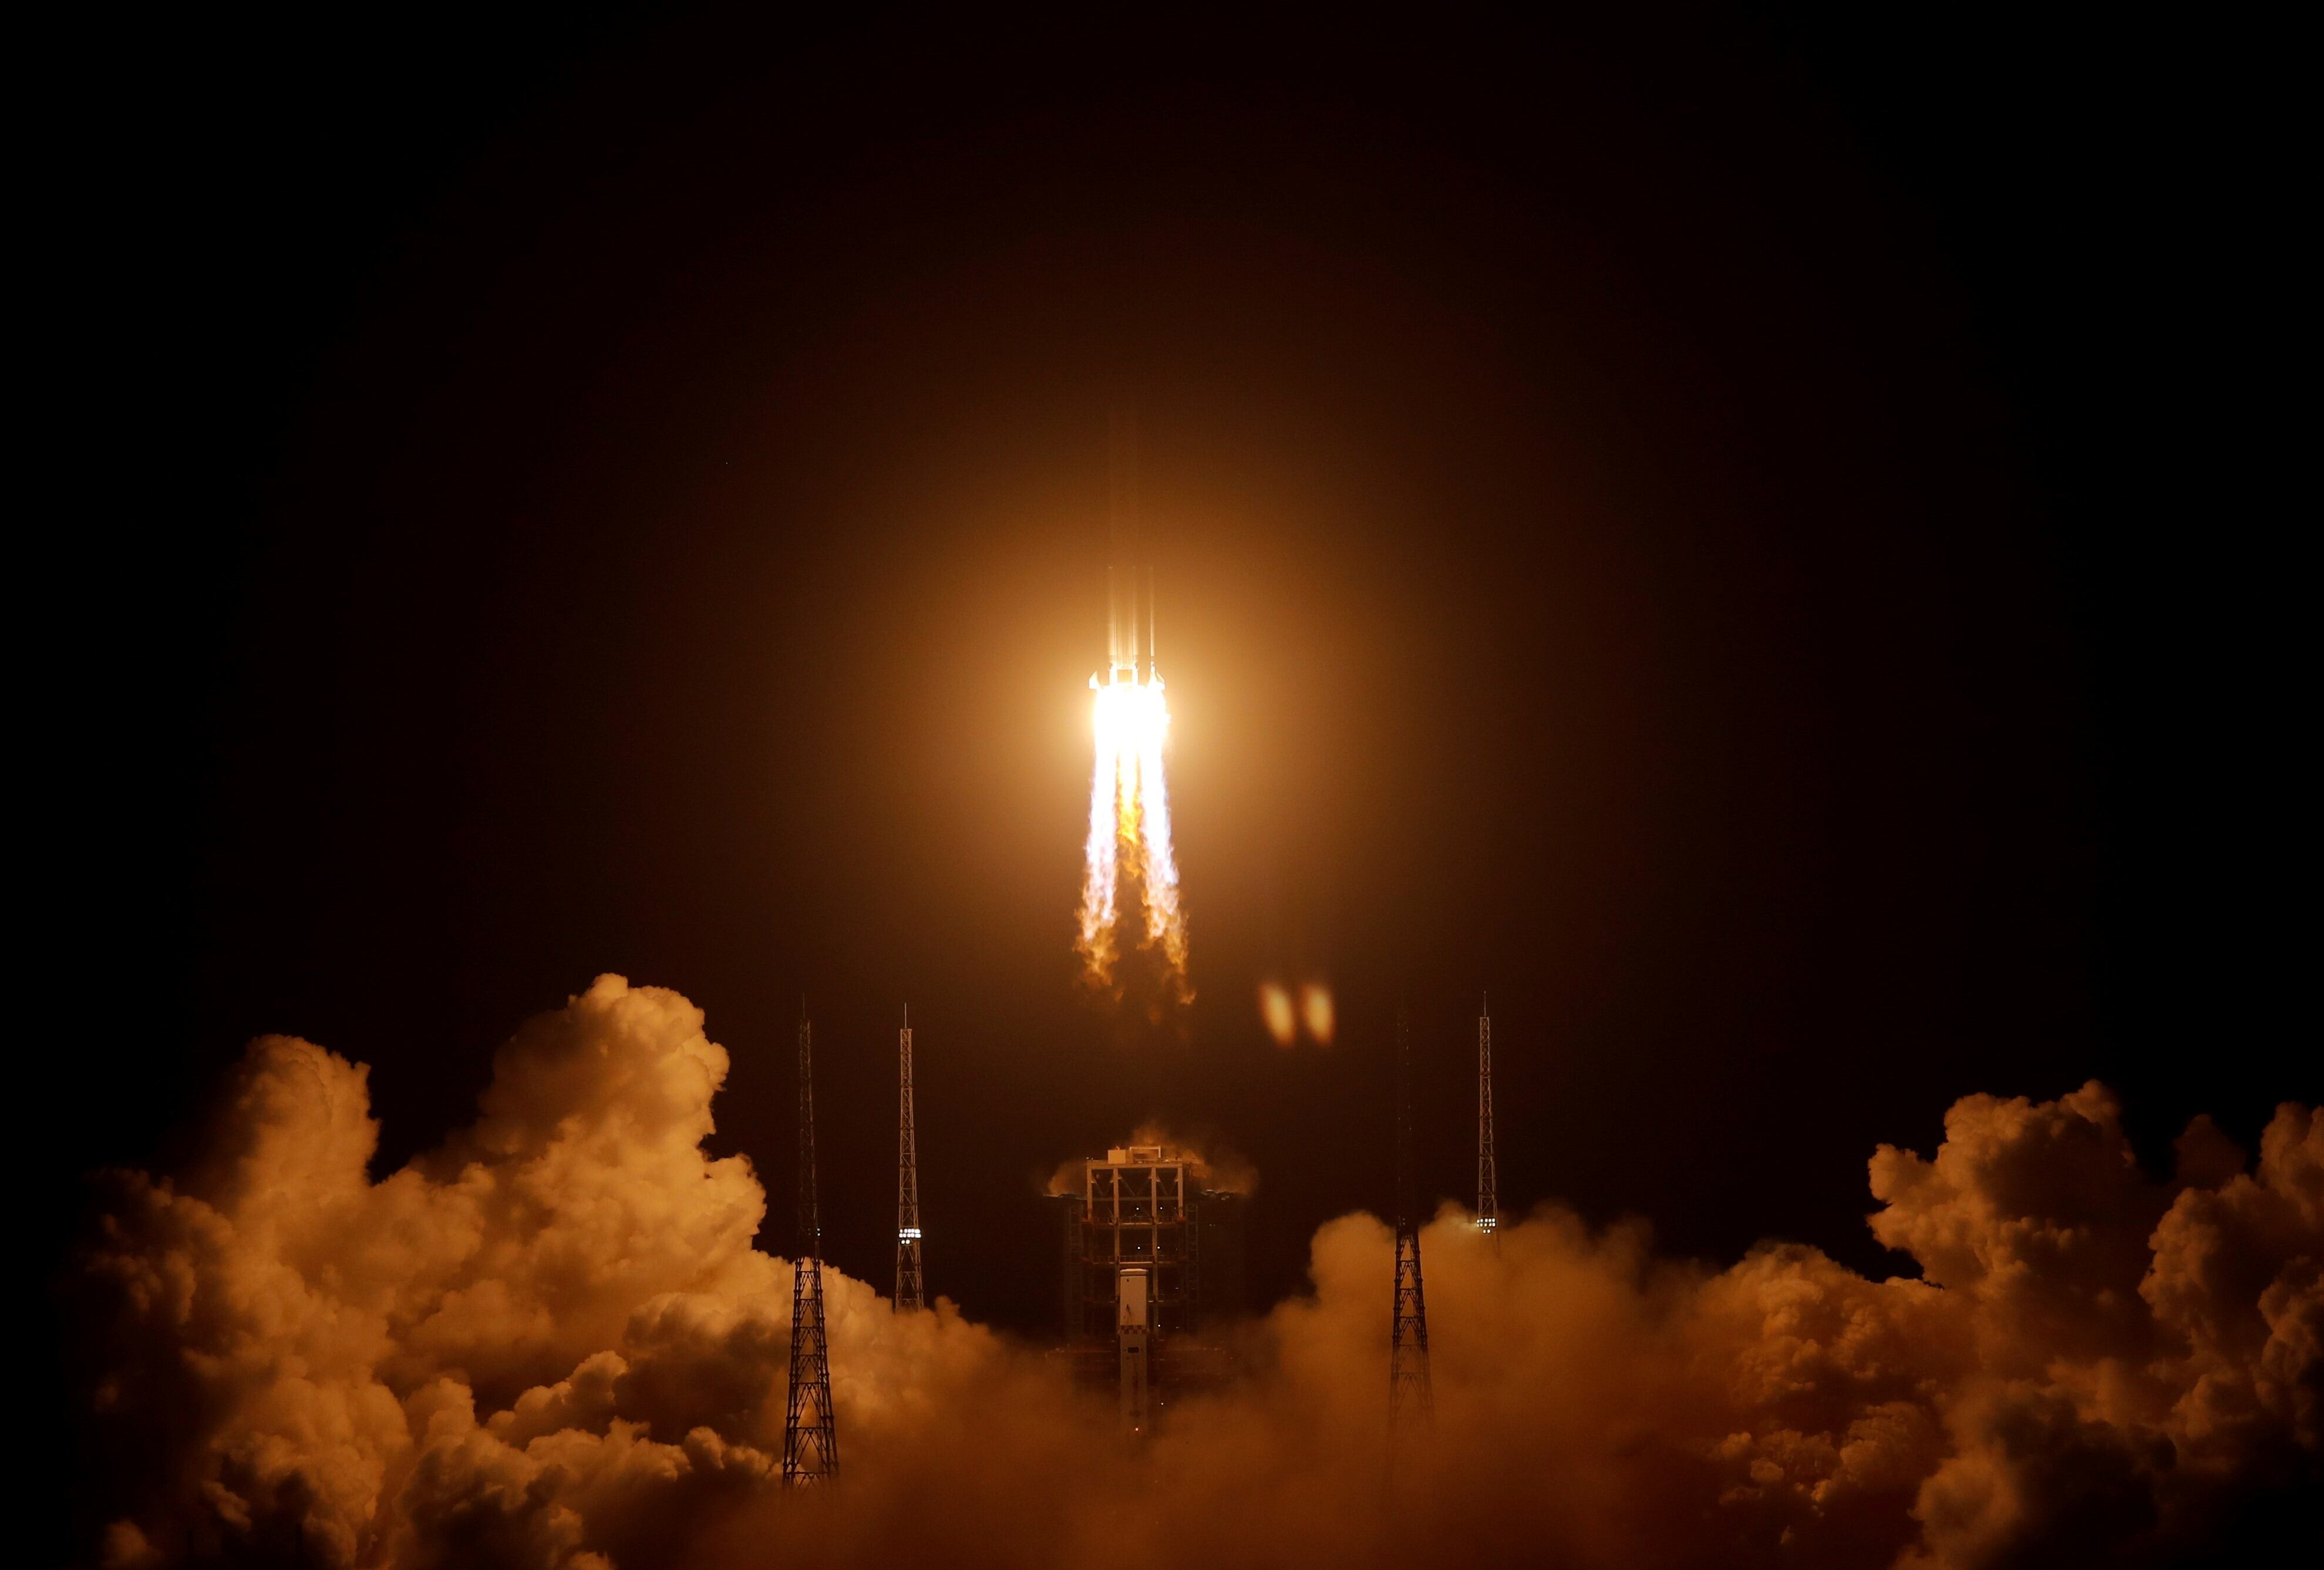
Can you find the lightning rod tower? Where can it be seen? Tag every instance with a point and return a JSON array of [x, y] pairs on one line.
[[810, 1440], [1488, 1177], [910, 1291], [1411, 1401]]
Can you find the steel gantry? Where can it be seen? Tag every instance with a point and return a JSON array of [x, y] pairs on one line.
[[810, 1438], [1488, 1177], [910, 1288], [1411, 1399]]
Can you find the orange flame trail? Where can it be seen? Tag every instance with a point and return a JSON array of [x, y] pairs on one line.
[[1130, 824]]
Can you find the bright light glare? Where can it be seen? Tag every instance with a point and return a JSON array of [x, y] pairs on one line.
[[1129, 822]]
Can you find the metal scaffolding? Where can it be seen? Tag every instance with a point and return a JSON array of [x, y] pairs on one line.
[[1153, 1269], [1142, 1206], [1488, 1177], [911, 1292], [1411, 1400], [810, 1439]]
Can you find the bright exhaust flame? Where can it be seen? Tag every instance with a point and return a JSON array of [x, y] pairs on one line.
[[1129, 831]]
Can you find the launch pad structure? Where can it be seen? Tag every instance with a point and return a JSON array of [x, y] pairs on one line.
[[1411, 1393], [1152, 1268], [911, 1280]]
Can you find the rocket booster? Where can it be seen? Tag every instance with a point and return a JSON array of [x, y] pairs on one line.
[[1130, 802], [1129, 586]]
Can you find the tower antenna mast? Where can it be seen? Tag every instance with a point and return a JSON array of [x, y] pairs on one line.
[[810, 1439], [910, 1291], [1411, 1401], [1488, 1177]]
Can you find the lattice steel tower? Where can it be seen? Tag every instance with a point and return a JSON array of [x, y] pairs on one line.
[[810, 1440], [909, 1290], [1410, 1398], [1488, 1177]]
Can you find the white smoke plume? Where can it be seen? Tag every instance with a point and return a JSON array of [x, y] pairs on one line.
[[551, 1343]]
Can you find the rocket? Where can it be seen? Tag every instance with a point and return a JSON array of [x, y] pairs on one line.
[[1129, 584], [1130, 802]]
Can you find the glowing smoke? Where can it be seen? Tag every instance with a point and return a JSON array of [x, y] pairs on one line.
[[550, 1345], [1130, 834]]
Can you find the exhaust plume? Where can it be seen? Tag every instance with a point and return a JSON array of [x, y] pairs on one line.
[[551, 1343], [1129, 832]]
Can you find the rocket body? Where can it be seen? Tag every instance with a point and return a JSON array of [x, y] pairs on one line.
[[1128, 846], [1130, 583]]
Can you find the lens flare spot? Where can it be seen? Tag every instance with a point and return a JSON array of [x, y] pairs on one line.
[[1276, 1012], [1317, 1013]]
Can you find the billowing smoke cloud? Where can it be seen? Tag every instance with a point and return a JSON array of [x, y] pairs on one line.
[[551, 1343]]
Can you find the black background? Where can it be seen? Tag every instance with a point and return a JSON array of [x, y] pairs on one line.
[[1755, 535]]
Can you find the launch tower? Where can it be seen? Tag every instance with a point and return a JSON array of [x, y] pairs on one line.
[[1411, 1401], [909, 1290], [1488, 1177], [1142, 1206], [810, 1439], [1153, 1260]]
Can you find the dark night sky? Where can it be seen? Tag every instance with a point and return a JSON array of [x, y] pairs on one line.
[[1750, 537]]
